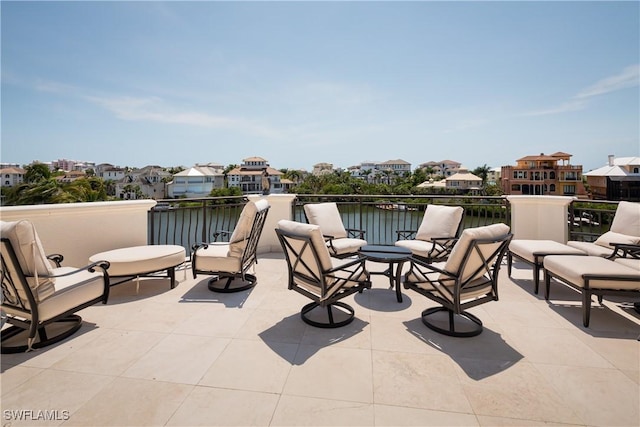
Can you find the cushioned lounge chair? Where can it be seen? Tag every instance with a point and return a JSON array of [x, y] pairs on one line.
[[342, 242], [438, 231], [38, 299], [312, 274], [467, 279], [233, 259], [625, 229], [595, 275]]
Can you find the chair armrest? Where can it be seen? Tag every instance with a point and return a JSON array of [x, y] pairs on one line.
[[354, 232], [219, 233], [102, 265], [56, 258], [625, 250], [406, 234]]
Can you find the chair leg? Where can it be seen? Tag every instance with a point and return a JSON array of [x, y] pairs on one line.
[[17, 340], [233, 283], [464, 324], [336, 315], [586, 308]]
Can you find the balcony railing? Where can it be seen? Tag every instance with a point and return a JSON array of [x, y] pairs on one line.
[[188, 221]]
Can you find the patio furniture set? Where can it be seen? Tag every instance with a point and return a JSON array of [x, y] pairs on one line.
[[458, 269]]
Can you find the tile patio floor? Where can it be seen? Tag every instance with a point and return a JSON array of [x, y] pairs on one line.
[[188, 356]]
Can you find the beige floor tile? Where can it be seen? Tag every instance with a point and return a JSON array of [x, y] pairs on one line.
[[601, 397], [252, 365], [221, 323], [178, 358], [423, 381], [207, 406], [112, 354], [309, 411], [12, 376], [131, 402], [543, 405], [53, 390], [335, 373], [401, 416], [554, 346], [393, 334], [278, 325], [519, 422]]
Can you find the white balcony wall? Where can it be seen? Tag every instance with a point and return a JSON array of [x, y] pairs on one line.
[[540, 217], [280, 209], [79, 230]]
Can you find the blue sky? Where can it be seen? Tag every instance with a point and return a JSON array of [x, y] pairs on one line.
[[297, 83]]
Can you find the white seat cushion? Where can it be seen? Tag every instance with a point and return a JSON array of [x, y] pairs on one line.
[[573, 268], [528, 249], [218, 257], [71, 291], [417, 247], [591, 248], [346, 245]]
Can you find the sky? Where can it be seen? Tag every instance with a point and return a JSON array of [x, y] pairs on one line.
[[299, 83]]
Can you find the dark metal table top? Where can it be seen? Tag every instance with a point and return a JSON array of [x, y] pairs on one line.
[[385, 253]]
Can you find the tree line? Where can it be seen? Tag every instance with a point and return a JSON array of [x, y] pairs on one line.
[[41, 186]]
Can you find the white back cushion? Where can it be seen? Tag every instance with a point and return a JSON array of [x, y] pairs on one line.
[[627, 219], [327, 216], [31, 256], [461, 247], [439, 221]]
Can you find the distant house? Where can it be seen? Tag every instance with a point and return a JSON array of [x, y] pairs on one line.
[[248, 176], [197, 181], [618, 180], [493, 176], [109, 172], [11, 176], [150, 182], [462, 182], [380, 172], [443, 168], [542, 174]]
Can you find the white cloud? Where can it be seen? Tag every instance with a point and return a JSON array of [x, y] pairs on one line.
[[629, 77], [153, 109]]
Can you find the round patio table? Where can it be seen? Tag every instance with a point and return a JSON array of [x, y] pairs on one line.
[[394, 256]]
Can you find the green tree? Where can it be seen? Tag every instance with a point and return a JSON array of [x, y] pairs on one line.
[[36, 172]]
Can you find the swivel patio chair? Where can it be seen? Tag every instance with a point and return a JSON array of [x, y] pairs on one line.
[[39, 300], [468, 278], [438, 231], [312, 274], [342, 242], [625, 229], [233, 259]]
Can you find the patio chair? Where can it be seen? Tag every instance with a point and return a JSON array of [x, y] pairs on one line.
[[342, 242], [312, 274], [595, 275], [232, 259], [467, 279], [625, 229], [438, 231], [39, 300]]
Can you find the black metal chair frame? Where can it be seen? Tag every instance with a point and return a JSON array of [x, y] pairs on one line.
[[353, 270], [248, 259], [449, 295], [13, 278], [442, 246]]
